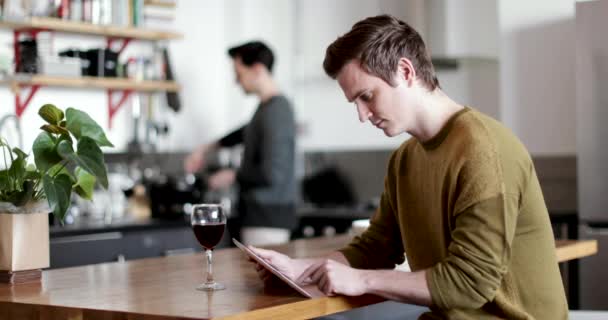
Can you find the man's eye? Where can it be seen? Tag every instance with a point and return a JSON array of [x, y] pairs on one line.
[[366, 97]]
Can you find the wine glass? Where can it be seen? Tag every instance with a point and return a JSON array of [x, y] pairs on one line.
[[208, 222]]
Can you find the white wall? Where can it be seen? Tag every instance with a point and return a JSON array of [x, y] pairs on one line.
[[537, 88], [330, 122], [535, 47]]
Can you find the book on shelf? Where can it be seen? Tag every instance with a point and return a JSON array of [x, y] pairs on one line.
[[170, 4]]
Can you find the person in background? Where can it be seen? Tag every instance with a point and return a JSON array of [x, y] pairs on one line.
[[461, 197], [266, 177]]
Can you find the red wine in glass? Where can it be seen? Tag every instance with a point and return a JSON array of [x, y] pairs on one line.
[[209, 235], [208, 223]]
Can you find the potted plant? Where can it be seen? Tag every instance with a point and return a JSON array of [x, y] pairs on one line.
[[67, 159]]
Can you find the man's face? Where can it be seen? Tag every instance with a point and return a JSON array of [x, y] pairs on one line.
[[246, 76], [383, 105]]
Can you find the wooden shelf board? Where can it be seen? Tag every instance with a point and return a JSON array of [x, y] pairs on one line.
[[93, 82], [88, 28]]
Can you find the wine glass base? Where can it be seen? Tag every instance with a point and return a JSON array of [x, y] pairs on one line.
[[211, 286]]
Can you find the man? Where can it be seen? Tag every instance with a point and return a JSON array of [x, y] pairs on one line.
[[461, 197], [266, 177]]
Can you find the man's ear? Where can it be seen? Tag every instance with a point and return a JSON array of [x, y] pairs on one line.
[[406, 71], [259, 67]]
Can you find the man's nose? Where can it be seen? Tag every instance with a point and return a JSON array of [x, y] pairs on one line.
[[364, 113]]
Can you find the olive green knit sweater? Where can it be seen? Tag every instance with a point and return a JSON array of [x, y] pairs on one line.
[[467, 207]]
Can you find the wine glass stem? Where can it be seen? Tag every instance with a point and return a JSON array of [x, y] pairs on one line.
[[209, 265]]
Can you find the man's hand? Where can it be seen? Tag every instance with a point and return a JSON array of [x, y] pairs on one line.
[[281, 262], [335, 278], [196, 160], [222, 179]]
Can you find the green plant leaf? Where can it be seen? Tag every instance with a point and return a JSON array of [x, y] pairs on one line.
[[51, 114], [91, 159], [17, 170], [45, 153], [57, 170], [58, 191], [54, 129], [31, 173], [5, 183], [81, 125], [65, 150], [85, 183], [88, 156], [20, 153]]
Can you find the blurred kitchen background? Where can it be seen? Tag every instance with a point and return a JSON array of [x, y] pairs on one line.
[[515, 60]]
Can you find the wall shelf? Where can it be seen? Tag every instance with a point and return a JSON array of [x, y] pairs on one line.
[[54, 24], [114, 86], [91, 82]]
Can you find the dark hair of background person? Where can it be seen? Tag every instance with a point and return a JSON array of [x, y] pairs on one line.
[[253, 52], [379, 42]]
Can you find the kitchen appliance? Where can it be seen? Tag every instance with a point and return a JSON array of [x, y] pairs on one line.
[[28, 61], [592, 154], [82, 55], [170, 195], [102, 63]]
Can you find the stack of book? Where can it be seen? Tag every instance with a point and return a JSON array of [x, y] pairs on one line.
[[122, 13], [157, 13]]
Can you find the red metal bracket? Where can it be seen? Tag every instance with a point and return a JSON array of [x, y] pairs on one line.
[[113, 108], [19, 105], [123, 45]]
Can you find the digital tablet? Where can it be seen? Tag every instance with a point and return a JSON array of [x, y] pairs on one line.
[[309, 291]]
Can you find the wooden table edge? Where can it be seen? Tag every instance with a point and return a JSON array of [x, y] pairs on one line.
[[310, 308], [22, 310], [575, 249]]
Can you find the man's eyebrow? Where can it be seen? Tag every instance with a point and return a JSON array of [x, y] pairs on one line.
[[359, 93]]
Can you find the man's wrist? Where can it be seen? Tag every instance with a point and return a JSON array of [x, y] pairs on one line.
[[369, 280]]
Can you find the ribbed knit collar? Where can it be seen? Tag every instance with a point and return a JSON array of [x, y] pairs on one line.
[[435, 141]]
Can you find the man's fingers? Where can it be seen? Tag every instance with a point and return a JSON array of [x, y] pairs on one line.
[[318, 273], [259, 267], [322, 284], [265, 254], [304, 278]]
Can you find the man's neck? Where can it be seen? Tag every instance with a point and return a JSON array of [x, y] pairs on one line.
[[267, 90], [433, 113]]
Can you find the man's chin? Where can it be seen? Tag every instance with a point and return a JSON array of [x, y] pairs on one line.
[[389, 133]]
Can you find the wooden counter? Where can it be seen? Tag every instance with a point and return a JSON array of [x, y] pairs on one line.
[[163, 288]]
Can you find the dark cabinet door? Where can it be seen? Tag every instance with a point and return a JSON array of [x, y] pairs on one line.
[[156, 243], [77, 250]]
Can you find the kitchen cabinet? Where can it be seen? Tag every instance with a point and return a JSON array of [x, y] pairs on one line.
[[462, 28], [144, 244], [121, 243], [79, 250]]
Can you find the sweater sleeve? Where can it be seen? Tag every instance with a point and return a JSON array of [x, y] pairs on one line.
[[380, 246], [478, 254], [233, 138], [277, 148]]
